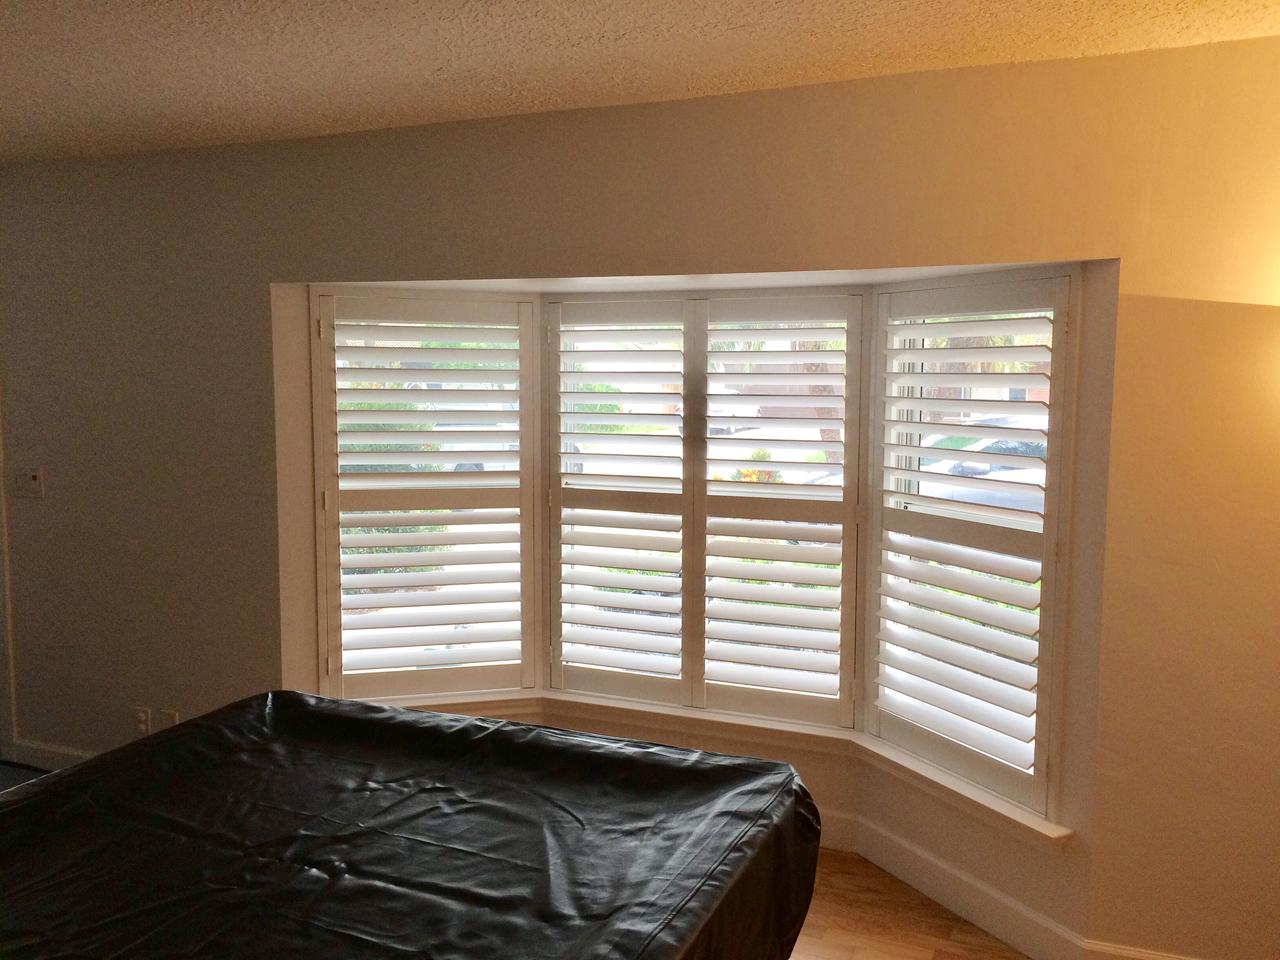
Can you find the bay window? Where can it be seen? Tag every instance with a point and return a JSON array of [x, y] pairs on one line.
[[834, 506]]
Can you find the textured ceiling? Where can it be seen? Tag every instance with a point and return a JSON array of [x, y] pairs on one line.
[[110, 76]]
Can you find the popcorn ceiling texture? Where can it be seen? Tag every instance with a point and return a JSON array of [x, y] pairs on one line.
[[84, 77]]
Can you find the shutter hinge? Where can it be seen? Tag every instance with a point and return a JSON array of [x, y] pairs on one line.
[[324, 501]]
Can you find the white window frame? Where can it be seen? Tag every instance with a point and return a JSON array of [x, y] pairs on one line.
[[859, 512]]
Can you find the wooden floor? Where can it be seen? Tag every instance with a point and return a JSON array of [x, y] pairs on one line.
[[861, 912]]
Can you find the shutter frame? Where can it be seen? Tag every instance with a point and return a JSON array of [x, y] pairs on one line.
[[416, 387], [1021, 549]]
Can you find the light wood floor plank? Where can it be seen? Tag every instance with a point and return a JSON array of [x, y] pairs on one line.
[[859, 912]]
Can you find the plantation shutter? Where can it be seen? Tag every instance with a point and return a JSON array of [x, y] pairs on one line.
[[964, 443], [620, 497], [426, 437], [702, 545], [781, 374]]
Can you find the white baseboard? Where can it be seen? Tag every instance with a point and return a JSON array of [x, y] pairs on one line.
[[1038, 936], [49, 756], [839, 830]]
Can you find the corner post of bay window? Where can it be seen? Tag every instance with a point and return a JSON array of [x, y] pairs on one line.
[[294, 328], [871, 503], [694, 537], [533, 585], [325, 431], [853, 526], [1060, 507], [553, 670]]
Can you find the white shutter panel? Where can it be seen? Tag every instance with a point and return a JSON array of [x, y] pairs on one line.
[[427, 398], [621, 398], [621, 600], [778, 372], [963, 446], [773, 615], [703, 557], [620, 497]]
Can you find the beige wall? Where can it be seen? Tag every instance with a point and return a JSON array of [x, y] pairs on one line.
[[1190, 778], [135, 347]]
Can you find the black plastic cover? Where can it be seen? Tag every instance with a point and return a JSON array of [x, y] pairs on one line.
[[288, 825]]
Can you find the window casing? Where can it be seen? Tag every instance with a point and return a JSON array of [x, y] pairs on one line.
[[735, 501]]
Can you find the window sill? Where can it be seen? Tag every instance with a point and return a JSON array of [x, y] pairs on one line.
[[686, 726]]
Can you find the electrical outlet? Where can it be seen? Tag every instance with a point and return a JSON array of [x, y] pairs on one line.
[[28, 482], [166, 719], [142, 720]]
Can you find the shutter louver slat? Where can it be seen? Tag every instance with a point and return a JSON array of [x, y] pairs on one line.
[[961, 631], [621, 396], [975, 736], [630, 661], [764, 613], [469, 651], [363, 619], [763, 638], [385, 388], [959, 705], [425, 595], [499, 335], [776, 377], [725, 589], [462, 593], [772, 678], [630, 640], [962, 581], [769, 634], [429, 358], [959, 605], [620, 591], [975, 685], [613, 599], [958, 654]]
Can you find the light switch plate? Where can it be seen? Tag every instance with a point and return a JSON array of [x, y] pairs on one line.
[[28, 482]]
